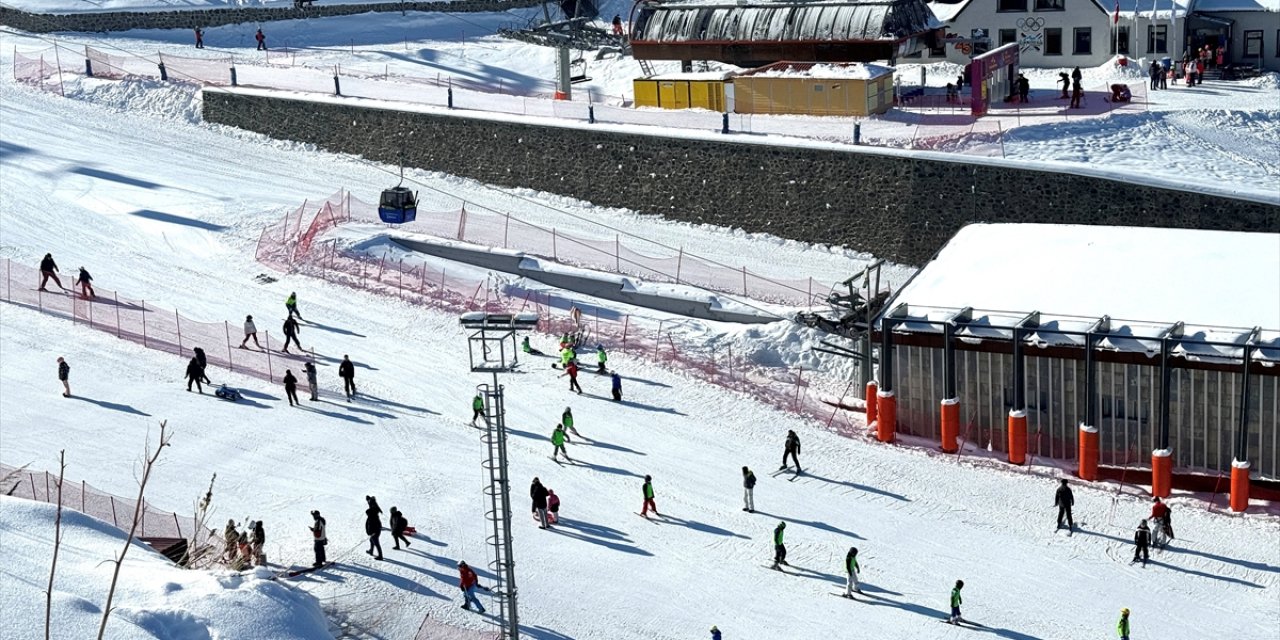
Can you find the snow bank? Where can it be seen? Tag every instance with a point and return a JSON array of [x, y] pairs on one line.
[[856, 71], [154, 598]]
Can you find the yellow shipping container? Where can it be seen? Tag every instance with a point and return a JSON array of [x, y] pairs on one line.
[[815, 89], [683, 91]]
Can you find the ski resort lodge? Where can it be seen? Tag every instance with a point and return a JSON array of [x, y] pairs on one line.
[[1136, 349]]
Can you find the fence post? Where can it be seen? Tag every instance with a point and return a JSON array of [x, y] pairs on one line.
[[144, 324], [31, 478], [230, 365], [82, 496], [617, 253], [233, 76], [8, 279], [177, 525], [88, 301], [113, 509], [46, 485], [505, 229], [267, 337], [177, 319], [337, 87], [462, 222], [626, 322], [40, 300], [117, 296], [401, 287], [744, 279], [679, 263], [164, 75], [657, 339], [731, 363], [382, 265], [554, 254]]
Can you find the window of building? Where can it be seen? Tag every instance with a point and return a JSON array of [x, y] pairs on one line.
[[1053, 42], [1120, 41], [1253, 44], [1157, 38], [1083, 42], [980, 44], [938, 51], [1007, 36], [1277, 49], [1011, 5], [1051, 5]]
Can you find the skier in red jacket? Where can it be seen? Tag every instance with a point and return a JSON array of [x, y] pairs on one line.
[[468, 582]]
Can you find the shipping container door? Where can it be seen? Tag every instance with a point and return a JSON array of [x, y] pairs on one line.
[[646, 93]]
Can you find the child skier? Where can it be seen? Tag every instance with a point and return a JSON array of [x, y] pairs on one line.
[[291, 387], [310, 369], [557, 439], [319, 538], [477, 408], [748, 490], [779, 549], [955, 603], [258, 538], [647, 489], [291, 304], [528, 348], [572, 372], [566, 419], [194, 374], [291, 330], [792, 448], [616, 386], [553, 507], [64, 376], [539, 494], [86, 289], [601, 358], [1122, 627], [1064, 501], [852, 569], [398, 525], [347, 371], [1141, 541]]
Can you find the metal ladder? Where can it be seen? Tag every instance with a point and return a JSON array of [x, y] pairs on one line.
[[646, 66], [499, 514]]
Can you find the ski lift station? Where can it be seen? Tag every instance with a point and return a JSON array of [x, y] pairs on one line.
[[1148, 352]]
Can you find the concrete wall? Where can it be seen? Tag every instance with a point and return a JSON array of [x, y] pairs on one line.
[[127, 20], [898, 206]]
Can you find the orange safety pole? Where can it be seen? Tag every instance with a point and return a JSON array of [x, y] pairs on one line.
[[872, 403], [1088, 453], [950, 424], [1161, 472], [887, 420], [1239, 485], [1017, 436]]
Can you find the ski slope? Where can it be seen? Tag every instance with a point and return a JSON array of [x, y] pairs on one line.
[[126, 183]]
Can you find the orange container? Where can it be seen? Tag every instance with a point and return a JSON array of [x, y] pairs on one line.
[[887, 422], [1239, 485], [1161, 472], [1018, 437], [1088, 453], [872, 400], [950, 424]]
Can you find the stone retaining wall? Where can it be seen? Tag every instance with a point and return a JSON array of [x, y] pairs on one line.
[[896, 206]]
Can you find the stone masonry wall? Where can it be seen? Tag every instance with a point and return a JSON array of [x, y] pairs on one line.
[[895, 207], [128, 20]]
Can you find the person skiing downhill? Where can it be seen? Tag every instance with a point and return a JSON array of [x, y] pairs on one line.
[[250, 331], [601, 359], [566, 419], [616, 386], [1141, 542], [194, 374], [398, 525], [955, 603], [291, 330], [318, 535], [469, 582], [49, 269], [852, 570], [1064, 501], [291, 387], [310, 369], [649, 504], [477, 408], [64, 373], [84, 280], [373, 526], [779, 549], [557, 439], [1122, 627], [571, 370], [291, 304], [792, 448], [347, 371], [748, 490], [539, 495]]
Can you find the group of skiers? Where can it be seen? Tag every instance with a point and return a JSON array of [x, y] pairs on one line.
[[569, 362], [49, 271], [244, 547]]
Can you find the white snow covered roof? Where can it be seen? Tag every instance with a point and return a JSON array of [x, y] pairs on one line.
[[945, 11], [781, 20], [828, 71], [1210, 6]]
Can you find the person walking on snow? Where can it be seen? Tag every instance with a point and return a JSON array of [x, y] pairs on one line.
[[257, 539], [572, 372], [616, 386], [1064, 501], [539, 494], [291, 329], [557, 439], [477, 408], [318, 537], [955, 598], [566, 419], [204, 364], [49, 269], [229, 537], [194, 374], [792, 449], [649, 504], [291, 387], [199, 38], [748, 490], [852, 569], [469, 582], [779, 549], [84, 280], [373, 526], [347, 371], [250, 331], [1141, 542], [310, 369], [64, 376], [553, 507], [601, 359], [262, 40], [398, 525], [1122, 627], [291, 304]]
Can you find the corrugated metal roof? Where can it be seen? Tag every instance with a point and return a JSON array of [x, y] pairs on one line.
[[699, 21]]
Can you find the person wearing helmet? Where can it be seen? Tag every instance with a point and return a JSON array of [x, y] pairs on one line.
[[1122, 627], [1141, 543], [291, 304], [601, 358], [955, 603], [779, 549], [715, 633], [468, 582], [566, 419]]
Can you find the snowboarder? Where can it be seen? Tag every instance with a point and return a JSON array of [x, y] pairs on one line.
[[290, 329], [373, 526], [1160, 513], [601, 359], [291, 304], [539, 494], [779, 549], [291, 387], [262, 40], [557, 439], [468, 582], [49, 269], [194, 374], [852, 569], [398, 524], [310, 369], [317, 534], [553, 507], [955, 593], [258, 538], [1064, 501], [528, 348], [748, 490], [792, 449], [250, 331], [1141, 542], [572, 371], [230, 536], [84, 280], [566, 419], [204, 364], [199, 38], [616, 386], [1122, 627], [347, 371], [64, 375], [477, 408], [647, 489]]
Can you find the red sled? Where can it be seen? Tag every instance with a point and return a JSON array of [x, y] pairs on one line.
[[410, 531]]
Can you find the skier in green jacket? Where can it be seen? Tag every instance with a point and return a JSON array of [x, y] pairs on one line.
[[291, 304], [955, 603], [566, 419], [852, 569], [779, 549], [649, 504], [601, 359], [557, 439], [477, 408], [1122, 627]]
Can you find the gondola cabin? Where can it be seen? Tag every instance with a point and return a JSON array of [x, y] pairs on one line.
[[398, 206]]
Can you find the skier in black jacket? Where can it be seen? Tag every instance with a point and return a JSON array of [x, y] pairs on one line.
[[290, 329], [539, 495], [373, 526], [291, 387], [748, 490], [1141, 541], [347, 371], [64, 376], [1064, 501], [194, 373], [49, 269], [204, 364], [792, 449]]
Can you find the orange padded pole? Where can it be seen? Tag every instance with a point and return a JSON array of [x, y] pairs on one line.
[[1088, 453], [887, 421], [1161, 472], [1239, 485], [950, 424], [1017, 436]]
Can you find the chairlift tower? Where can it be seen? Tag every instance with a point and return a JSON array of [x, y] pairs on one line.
[[575, 32], [492, 349]]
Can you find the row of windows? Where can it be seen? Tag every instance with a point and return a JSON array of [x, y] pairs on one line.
[[1021, 5], [1082, 44]]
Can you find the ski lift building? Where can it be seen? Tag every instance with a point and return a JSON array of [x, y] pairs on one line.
[[1006, 339], [753, 33]]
